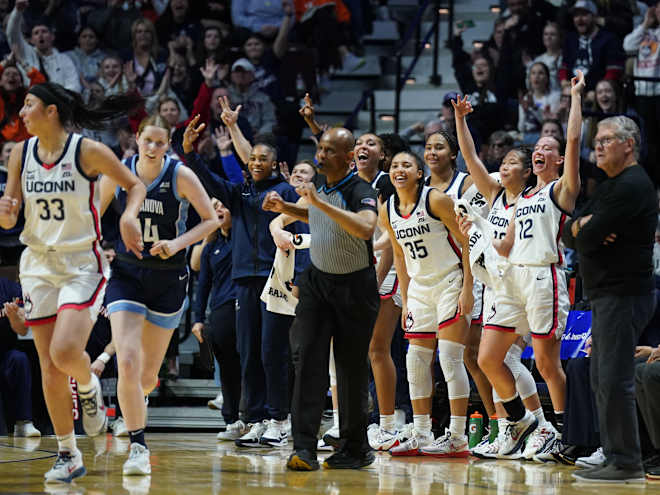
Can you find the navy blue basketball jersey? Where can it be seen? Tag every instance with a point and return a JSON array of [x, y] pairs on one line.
[[162, 217]]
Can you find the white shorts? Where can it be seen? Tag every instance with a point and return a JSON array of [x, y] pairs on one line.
[[431, 308], [535, 300], [53, 280], [490, 312], [390, 288], [478, 308]]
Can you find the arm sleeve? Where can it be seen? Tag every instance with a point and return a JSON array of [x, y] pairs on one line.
[[215, 185], [232, 168], [203, 286]]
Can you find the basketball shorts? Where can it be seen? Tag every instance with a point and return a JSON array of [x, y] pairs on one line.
[[159, 295], [390, 288], [56, 280], [431, 308], [536, 302], [478, 308]]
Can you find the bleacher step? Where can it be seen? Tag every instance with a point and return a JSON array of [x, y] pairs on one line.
[[188, 387], [185, 417]]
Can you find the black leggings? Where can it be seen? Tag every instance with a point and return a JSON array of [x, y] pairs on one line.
[[220, 333]]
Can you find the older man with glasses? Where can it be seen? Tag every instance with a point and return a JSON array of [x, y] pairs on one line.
[[614, 235]]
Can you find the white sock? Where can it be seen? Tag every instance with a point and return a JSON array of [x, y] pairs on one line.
[[422, 424], [538, 413], [67, 443], [501, 425], [335, 418], [84, 388], [387, 422], [457, 425]]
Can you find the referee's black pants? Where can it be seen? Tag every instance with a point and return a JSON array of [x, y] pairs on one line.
[[343, 307]]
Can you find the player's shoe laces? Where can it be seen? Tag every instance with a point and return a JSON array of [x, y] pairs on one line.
[[412, 446], [93, 409], [233, 431], [253, 435], [383, 440], [68, 466], [516, 433], [138, 461], [541, 438], [275, 434], [448, 445]]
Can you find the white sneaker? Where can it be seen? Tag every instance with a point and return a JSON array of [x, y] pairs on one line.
[[515, 434], [595, 459], [233, 431], [406, 432], [119, 428], [383, 440], [275, 434], [488, 450], [332, 436], [94, 419], [448, 445], [68, 466], [138, 461], [540, 439], [412, 446], [216, 404], [253, 435], [26, 429]]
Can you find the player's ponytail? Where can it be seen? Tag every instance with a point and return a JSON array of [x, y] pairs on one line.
[[72, 110]]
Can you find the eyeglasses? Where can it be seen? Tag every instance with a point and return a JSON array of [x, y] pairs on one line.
[[606, 141]]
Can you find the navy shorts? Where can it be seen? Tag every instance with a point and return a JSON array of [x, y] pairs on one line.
[[159, 295]]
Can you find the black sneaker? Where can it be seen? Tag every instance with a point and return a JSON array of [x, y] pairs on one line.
[[610, 474], [568, 454], [652, 467], [303, 460], [333, 441], [345, 460]]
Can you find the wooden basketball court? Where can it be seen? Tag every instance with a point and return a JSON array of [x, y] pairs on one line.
[[190, 463]]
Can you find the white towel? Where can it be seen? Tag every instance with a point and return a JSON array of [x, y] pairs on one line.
[[278, 291]]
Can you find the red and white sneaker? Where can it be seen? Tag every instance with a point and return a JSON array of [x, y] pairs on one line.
[[412, 446], [449, 445], [383, 440]]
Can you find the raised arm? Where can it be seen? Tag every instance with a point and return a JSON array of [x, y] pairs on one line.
[[442, 207], [281, 42], [230, 119], [567, 189], [486, 184]]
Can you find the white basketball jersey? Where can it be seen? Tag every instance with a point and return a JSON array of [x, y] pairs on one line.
[[428, 247], [62, 204], [539, 222], [455, 188], [476, 200], [500, 214]]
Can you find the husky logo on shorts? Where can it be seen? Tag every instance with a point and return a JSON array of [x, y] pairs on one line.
[[492, 314], [27, 304], [410, 321]]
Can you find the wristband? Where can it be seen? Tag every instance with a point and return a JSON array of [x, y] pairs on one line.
[[104, 357]]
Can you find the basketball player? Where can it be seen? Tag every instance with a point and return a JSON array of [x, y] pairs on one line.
[[437, 294], [440, 152], [531, 245], [63, 272], [147, 292], [369, 153], [515, 176]]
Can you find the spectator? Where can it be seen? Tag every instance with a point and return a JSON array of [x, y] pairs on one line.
[[170, 110], [56, 66], [257, 107], [594, 51], [538, 103], [644, 42], [15, 375], [552, 40], [616, 16], [178, 23], [112, 78], [87, 56], [211, 45], [258, 16], [146, 60], [499, 144], [493, 46], [115, 23]]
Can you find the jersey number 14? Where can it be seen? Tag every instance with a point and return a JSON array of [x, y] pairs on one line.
[[150, 232]]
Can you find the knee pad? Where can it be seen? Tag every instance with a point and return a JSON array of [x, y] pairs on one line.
[[525, 384], [332, 370], [418, 363], [451, 362]]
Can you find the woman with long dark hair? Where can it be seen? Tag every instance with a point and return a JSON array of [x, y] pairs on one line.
[[63, 273]]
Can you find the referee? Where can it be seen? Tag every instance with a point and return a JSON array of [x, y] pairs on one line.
[[338, 299]]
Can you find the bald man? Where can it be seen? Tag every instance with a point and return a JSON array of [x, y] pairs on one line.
[[338, 299]]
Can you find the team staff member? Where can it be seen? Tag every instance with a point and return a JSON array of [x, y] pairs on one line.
[[613, 235], [338, 299]]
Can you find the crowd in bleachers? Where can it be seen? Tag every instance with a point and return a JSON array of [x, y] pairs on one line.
[[235, 66]]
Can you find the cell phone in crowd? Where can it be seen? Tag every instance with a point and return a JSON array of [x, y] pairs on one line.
[[467, 23]]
